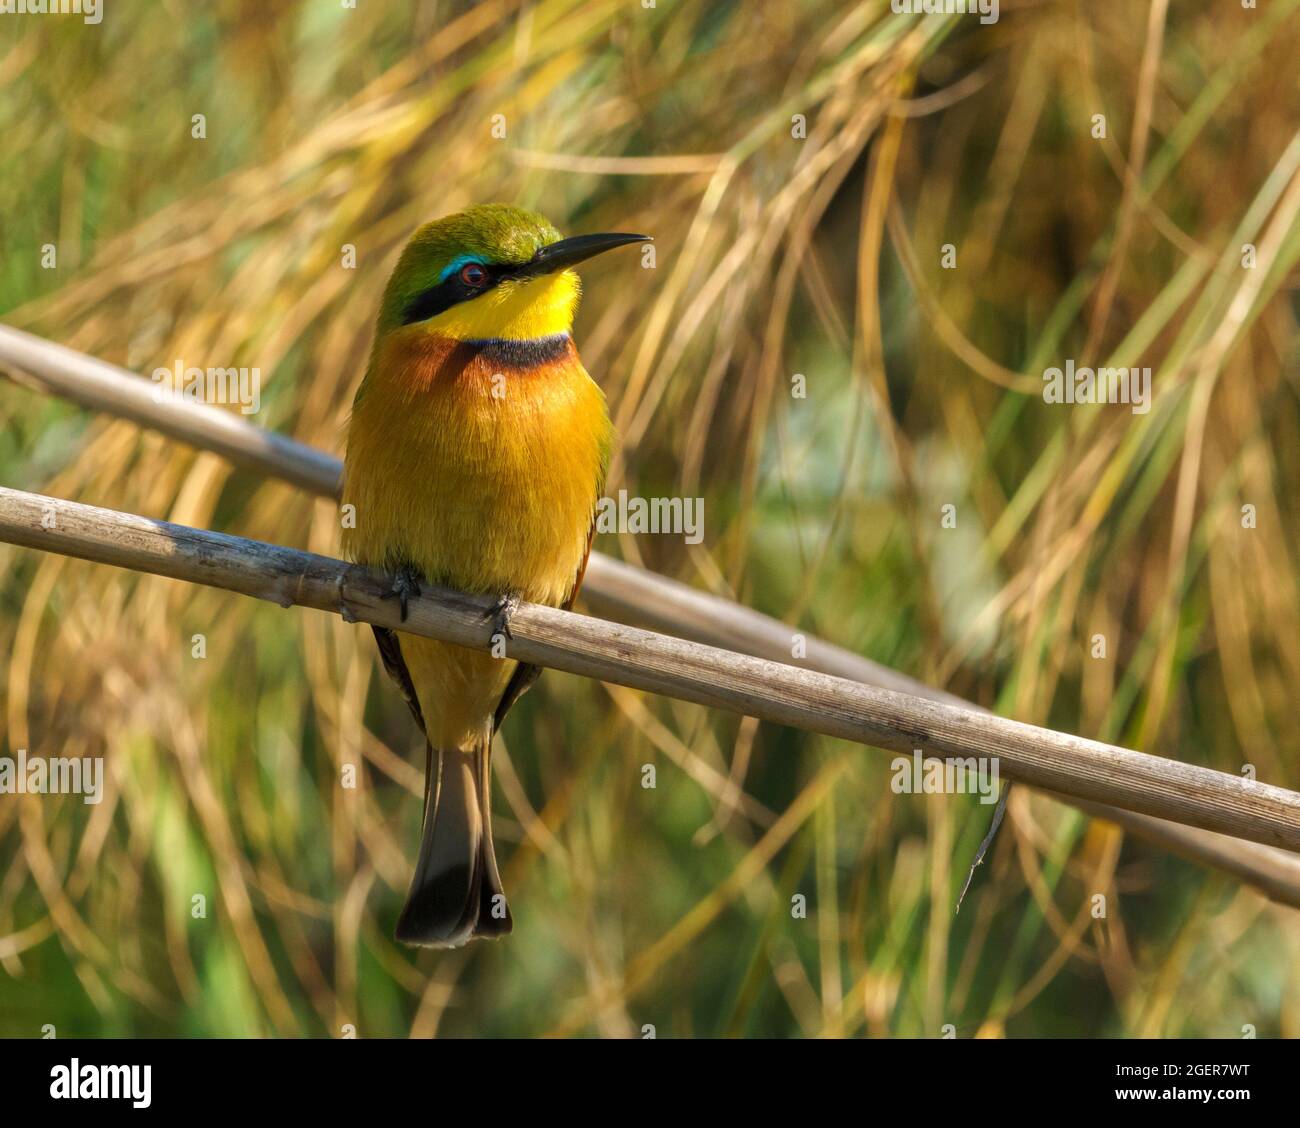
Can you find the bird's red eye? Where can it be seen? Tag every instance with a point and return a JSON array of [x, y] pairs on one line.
[[473, 274]]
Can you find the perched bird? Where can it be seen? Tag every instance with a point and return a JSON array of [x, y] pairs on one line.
[[477, 452]]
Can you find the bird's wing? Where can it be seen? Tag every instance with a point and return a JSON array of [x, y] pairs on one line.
[[390, 650], [525, 674]]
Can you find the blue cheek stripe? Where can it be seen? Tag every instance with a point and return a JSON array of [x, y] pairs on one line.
[[456, 264]]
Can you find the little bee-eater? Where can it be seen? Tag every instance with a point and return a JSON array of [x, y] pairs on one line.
[[477, 453]]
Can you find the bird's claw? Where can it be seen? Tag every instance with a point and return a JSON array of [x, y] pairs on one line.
[[406, 583], [500, 614]]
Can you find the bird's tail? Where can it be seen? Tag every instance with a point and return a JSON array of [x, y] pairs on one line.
[[456, 893]]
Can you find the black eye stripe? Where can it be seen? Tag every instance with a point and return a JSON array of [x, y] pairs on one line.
[[452, 291], [433, 301]]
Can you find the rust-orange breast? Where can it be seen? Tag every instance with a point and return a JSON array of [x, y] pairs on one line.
[[478, 463]]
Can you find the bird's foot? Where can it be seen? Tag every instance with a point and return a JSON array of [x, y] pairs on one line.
[[500, 614], [406, 583]]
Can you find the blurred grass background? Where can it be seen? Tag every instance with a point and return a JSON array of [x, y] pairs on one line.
[[818, 255]]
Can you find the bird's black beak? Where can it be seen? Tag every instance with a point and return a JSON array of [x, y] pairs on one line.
[[570, 252]]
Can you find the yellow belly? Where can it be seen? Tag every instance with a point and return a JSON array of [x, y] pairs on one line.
[[482, 480]]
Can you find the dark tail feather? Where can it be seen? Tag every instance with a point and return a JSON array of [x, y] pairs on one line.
[[456, 893]]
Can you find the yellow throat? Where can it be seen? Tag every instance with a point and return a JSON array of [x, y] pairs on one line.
[[513, 311]]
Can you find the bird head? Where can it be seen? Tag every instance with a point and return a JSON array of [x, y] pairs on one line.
[[491, 272]]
